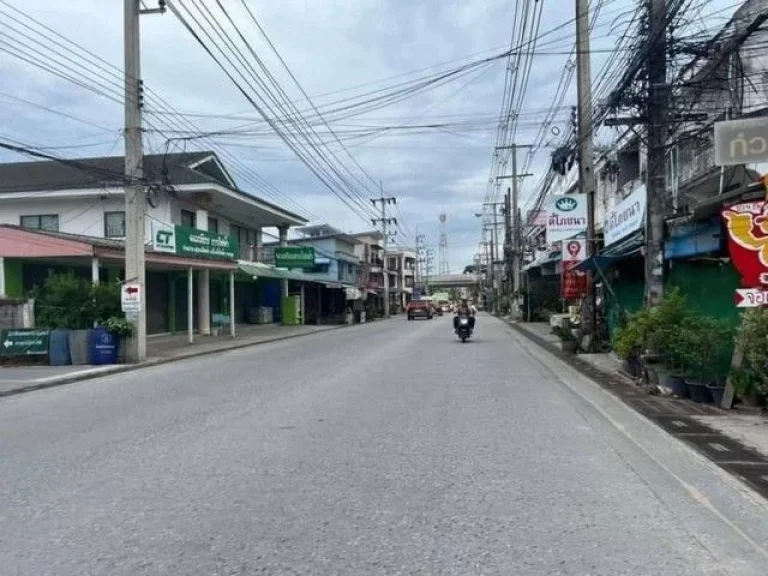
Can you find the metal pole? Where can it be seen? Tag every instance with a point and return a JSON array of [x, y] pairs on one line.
[[515, 229], [232, 303], [190, 306], [135, 197], [495, 258]]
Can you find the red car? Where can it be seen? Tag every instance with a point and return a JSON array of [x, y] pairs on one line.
[[419, 309]]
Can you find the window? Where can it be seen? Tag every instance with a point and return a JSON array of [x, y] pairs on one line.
[[114, 224], [409, 281], [187, 218], [48, 222], [213, 225], [340, 272], [351, 269]]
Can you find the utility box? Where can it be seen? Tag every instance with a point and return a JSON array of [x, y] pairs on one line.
[[291, 310]]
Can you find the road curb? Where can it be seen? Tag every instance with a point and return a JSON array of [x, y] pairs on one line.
[[70, 379], [744, 463]]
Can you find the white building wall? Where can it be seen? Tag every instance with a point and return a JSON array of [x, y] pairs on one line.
[[77, 215]]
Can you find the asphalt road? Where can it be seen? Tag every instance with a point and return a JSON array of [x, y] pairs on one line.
[[388, 448]]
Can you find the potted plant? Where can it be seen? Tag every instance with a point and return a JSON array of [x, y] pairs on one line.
[[568, 342], [629, 341], [706, 340], [121, 329], [751, 379], [667, 341]]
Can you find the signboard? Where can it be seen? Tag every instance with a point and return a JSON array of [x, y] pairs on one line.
[[163, 237], [626, 217], [574, 283], [747, 228], [566, 217], [24, 342], [741, 141], [130, 297], [575, 250], [750, 297], [294, 257], [201, 244]]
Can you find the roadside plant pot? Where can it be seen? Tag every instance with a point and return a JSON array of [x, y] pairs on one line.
[[651, 374], [716, 391], [569, 346], [698, 391], [673, 382], [631, 367], [80, 347]]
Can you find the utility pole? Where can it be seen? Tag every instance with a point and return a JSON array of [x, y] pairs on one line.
[[135, 192], [430, 255], [385, 221], [657, 140], [420, 241], [584, 135], [512, 217]]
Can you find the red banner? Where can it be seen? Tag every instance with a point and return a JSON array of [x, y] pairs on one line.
[[573, 285], [747, 226]]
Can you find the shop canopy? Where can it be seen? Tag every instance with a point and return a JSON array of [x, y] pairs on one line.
[[549, 258], [626, 248], [261, 270]]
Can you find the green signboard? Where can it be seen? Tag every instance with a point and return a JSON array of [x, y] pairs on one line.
[[196, 243], [24, 342], [294, 257]]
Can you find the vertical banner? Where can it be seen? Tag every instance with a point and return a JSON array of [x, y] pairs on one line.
[[573, 285]]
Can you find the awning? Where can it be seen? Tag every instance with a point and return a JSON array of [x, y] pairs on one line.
[[353, 293], [619, 251], [693, 238], [549, 258]]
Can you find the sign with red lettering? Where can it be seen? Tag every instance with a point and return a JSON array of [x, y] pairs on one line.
[[574, 250], [573, 285], [747, 227]]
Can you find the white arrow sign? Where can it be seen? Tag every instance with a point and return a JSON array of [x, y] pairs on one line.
[[7, 343], [750, 297]]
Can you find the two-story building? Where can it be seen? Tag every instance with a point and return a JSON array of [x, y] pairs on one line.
[[336, 270], [71, 216]]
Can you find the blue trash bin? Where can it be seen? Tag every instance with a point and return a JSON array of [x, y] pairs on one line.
[[103, 347]]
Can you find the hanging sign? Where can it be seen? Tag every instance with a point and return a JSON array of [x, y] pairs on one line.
[[294, 257], [750, 297], [747, 228], [574, 250], [566, 217], [626, 217], [574, 282]]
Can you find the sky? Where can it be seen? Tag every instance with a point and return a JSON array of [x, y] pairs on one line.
[[435, 154]]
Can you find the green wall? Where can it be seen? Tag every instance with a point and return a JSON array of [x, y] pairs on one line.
[[708, 287], [14, 278]]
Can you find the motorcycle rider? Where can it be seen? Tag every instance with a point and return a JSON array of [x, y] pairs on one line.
[[464, 310]]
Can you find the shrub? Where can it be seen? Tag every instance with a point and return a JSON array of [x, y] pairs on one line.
[[66, 301], [752, 338]]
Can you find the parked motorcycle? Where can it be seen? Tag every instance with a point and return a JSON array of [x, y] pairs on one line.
[[463, 331]]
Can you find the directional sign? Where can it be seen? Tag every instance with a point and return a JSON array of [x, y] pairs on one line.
[[750, 297], [130, 297], [24, 342]]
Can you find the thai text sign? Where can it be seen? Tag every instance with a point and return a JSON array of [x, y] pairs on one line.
[[566, 217], [574, 282], [202, 244], [626, 217], [747, 227], [741, 141], [294, 257], [24, 342], [750, 297]]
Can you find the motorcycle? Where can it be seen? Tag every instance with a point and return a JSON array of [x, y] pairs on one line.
[[463, 331]]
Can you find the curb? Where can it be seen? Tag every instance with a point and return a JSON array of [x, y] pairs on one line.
[[70, 379]]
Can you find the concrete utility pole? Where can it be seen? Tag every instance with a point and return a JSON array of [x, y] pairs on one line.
[[657, 140], [420, 241], [384, 221], [135, 192], [512, 216], [585, 136]]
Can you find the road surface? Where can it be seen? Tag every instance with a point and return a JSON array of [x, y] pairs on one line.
[[387, 448]]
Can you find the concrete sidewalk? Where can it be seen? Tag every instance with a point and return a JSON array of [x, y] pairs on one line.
[[742, 425], [161, 349]]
